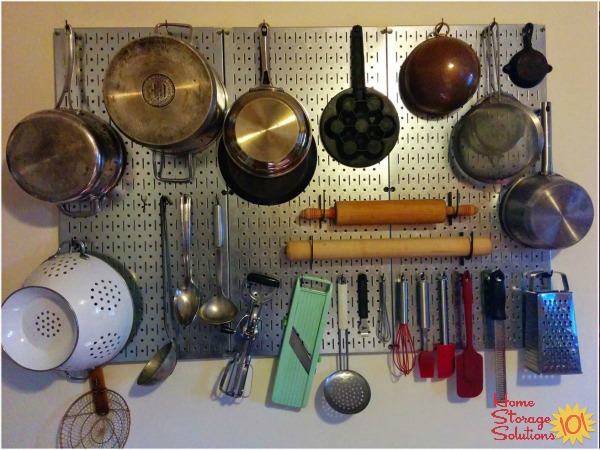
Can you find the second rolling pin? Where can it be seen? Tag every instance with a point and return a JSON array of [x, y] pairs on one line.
[[388, 248], [388, 212]]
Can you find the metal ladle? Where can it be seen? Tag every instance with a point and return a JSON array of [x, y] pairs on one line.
[[219, 309], [187, 297], [162, 364], [346, 391]]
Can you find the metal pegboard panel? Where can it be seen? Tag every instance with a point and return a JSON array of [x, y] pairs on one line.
[[128, 227], [421, 168], [313, 65]]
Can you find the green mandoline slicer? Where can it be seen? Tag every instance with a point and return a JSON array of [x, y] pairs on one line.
[[302, 342]]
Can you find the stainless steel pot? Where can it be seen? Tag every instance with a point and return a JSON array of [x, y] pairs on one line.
[[163, 94], [267, 132], [64, 155], [545, 210]]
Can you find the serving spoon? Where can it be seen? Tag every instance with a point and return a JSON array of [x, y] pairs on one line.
[[187, 297]]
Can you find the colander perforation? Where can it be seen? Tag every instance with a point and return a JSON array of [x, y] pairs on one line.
[[48, 324], [105, 345], [60, 265], [106, 295]]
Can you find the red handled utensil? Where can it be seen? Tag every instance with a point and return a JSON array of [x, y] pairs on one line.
[[469, 364]]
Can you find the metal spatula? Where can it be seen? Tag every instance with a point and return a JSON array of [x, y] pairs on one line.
[[426, 357]]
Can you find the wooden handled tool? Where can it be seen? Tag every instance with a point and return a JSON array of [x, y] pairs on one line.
[[388, 212], [388, 248]]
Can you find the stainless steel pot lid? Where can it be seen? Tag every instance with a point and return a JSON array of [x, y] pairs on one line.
[[160, 91], [44, 146]]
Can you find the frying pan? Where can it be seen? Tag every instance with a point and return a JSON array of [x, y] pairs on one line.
[[545, 210], [267, 131], [499, 139], [528, 67], [359, 126]]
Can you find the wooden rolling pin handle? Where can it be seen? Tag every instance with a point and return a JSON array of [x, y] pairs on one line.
[[463, 210], [388, 248], [316, 213]]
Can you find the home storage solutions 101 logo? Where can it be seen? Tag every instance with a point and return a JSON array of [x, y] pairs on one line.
[[514, 421]]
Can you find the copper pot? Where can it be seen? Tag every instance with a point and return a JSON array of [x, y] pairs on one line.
[[440, 74]]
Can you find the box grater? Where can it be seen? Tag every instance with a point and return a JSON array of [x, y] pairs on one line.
[[551, 342], [301, 344]]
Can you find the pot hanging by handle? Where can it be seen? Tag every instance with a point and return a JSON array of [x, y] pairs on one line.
[[267, 132], [528, 67], [63, 155], [359, 126], [163, 94], [546, 210], [499, 139], [439, 75]]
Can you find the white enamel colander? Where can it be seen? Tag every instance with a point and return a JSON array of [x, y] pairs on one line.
[[73, 313]]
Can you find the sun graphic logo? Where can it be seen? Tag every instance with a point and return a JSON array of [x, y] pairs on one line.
[[572, 424]]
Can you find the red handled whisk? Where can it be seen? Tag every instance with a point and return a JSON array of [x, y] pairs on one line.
[[404, 345]]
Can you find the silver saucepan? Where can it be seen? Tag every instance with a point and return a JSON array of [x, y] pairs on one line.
[[163, 94], [63, 155], [546, 210]]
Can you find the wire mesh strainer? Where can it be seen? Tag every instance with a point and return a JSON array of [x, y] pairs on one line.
[[499, 139]]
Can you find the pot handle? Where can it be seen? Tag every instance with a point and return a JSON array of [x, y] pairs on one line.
[[546, 167], [158, 170], [176, 25], [95, 208], [70, 67], [265, 67]]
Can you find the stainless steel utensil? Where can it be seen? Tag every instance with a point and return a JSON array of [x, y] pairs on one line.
[[426, 357], [187, 297], [234, 378], [495, 308], [384, 329], [551, 340], [162, 364], [219, 309], [345, 390]]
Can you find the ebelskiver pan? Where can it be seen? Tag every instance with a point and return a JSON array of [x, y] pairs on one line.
[[267, 191], [359, 126]]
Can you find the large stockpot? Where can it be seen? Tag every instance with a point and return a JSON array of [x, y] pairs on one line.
[[163, 94], [74, 313], [267, 132], [64, 155], [545, 210], [440, 74]]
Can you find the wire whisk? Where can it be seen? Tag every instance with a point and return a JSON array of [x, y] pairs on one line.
[[404, 353], [384, 329]]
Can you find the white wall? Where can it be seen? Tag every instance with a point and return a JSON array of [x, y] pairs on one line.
[[183, 411]]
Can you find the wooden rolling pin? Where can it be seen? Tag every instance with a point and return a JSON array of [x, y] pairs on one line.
[[388, 212], [388, 248]]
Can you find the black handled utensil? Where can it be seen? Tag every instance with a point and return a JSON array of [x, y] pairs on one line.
[[363, 305], [495, 309]]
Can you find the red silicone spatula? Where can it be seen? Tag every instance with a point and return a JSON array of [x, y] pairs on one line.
[[469, 364]]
